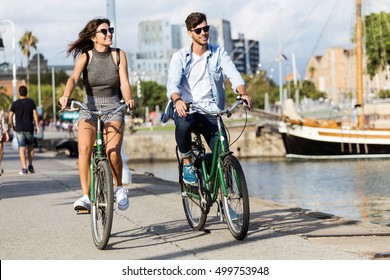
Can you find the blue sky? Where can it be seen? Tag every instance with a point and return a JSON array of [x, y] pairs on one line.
[[302, 27]]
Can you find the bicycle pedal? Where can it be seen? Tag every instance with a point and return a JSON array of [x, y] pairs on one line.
[[82, 212], [192, 188]]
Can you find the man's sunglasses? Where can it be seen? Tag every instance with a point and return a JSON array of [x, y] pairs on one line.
[[104, 31], [199, 30]]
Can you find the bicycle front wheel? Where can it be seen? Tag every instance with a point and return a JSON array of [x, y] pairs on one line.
[[102, 209], [236, 203]]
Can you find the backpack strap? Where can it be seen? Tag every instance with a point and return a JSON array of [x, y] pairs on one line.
[[118, 56], [85, 72], [118, 61]]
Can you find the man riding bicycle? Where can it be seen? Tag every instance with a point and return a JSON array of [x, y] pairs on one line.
[[196, 74]]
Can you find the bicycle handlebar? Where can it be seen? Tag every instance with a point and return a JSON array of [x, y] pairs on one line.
[[196, 108], [72, 103]]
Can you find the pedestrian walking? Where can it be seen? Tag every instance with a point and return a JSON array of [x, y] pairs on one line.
[[23, 117]]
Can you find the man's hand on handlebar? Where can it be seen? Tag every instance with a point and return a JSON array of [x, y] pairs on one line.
[[248, 100], [181, 108]]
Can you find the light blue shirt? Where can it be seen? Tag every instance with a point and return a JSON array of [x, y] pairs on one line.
[[219, 64]]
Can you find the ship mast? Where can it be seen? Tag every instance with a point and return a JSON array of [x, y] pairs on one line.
[[359, 64]]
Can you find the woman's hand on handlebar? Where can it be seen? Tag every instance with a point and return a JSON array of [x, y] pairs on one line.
[[63, 101], [131, 104]]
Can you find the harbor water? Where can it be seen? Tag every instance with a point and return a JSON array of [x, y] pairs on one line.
[[353, 189]]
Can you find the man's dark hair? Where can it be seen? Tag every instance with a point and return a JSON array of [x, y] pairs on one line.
[[194, 19], [23, 91]]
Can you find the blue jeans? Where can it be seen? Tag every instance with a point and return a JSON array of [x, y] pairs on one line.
[[25, 138], [208, 127]]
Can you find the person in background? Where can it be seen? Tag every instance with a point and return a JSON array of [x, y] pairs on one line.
[[106, 74], [26, 118], [196, 74], [4, 137]]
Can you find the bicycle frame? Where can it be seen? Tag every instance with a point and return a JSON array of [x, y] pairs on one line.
[[98, 153], [215, 171]]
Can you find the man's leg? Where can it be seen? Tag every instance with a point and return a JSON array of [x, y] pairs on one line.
[[22, 155], [210, 131], [184, 127], [30, 152]]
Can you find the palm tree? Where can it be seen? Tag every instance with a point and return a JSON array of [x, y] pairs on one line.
[[27, 42]]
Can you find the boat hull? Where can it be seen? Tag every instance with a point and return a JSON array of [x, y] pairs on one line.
[[302, 141]]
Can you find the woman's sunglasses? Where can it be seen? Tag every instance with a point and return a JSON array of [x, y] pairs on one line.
[[199, 30], [104, 31]]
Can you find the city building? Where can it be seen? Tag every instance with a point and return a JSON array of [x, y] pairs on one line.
[[335, 74], [159, 39], [246, 55]]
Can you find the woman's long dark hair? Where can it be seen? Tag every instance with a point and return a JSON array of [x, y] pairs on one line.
[[84, 42]]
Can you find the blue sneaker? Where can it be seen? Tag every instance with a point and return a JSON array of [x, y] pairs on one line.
[[189, 176], [233, 214]]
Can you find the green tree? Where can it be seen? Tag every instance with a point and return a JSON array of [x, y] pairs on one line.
[[152, 94], [27, 42], [60, 77], [308, 89], [257, 86], [377, 31], [384, 93]]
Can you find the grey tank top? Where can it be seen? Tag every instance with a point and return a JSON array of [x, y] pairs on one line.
[[102, 75]]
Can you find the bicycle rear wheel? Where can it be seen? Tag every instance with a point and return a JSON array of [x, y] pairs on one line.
[[196, 212], [102, 210], [236, 203]]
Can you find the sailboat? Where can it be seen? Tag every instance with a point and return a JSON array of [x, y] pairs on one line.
[[329, 139]]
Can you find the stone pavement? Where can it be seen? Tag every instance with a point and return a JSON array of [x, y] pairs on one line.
[[38, 223]]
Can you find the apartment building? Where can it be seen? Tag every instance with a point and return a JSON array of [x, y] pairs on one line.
[[335, 74], [246, 55], [159, 39]]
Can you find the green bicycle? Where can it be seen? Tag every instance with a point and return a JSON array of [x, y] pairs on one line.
[[221, 180], [101, 183]]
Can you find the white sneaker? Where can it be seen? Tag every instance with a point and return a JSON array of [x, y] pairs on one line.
[[121, 198], [82, 203]]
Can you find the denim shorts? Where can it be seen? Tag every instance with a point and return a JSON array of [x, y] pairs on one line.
[[104, 104], [25, 138]]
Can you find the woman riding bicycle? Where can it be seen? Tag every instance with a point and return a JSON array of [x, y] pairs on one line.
[[196, 74], [104, 77]]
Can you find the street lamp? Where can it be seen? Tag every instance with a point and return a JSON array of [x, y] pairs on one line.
[[13, 56]]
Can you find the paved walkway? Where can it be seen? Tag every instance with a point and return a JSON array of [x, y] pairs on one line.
[[38, 222]]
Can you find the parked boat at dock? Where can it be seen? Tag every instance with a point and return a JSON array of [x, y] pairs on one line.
[[368, 137]]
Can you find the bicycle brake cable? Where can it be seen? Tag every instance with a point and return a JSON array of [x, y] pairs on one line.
[[242, 131]]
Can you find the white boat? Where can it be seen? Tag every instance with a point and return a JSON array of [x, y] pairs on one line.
[[322, 139]]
